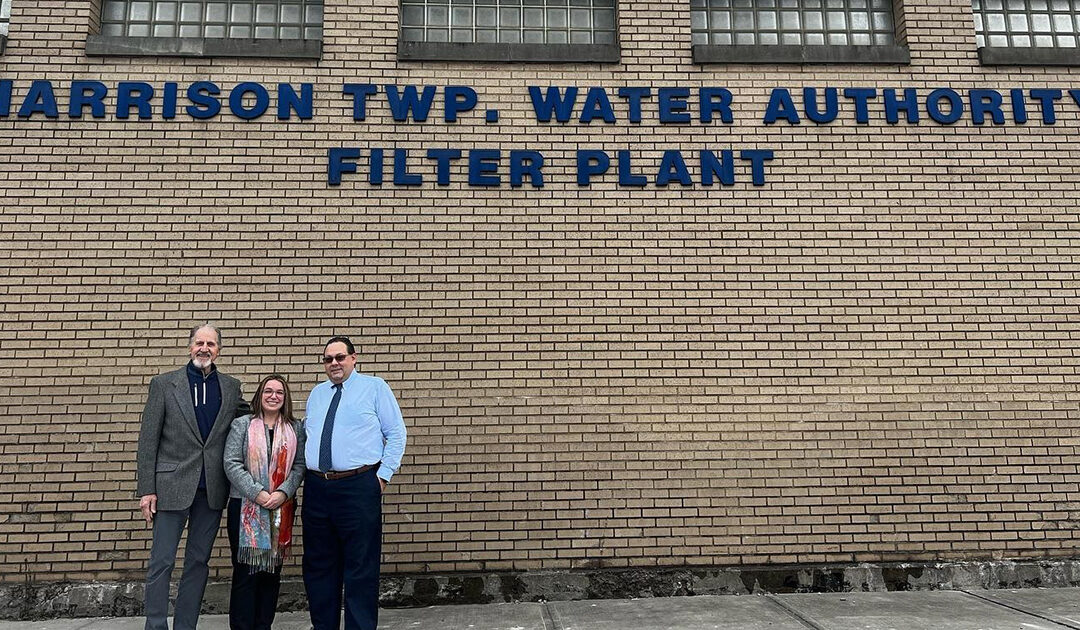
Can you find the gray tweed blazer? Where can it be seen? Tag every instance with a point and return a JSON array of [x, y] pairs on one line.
[[172, 454]]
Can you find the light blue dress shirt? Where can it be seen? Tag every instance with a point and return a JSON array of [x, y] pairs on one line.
[[367, 427]]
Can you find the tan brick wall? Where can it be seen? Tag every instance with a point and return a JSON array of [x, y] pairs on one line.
[[871, 358]]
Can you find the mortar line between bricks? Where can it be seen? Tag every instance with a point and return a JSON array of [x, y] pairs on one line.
[[806, 621], [548, 616], [996, 602]]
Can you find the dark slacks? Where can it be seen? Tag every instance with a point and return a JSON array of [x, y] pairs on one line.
[[202, 524], [253, 598], [342, 548]]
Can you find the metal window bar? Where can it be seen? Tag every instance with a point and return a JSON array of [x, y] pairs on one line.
[[241, 19], [509, 21], [792, 22], [1027, 23]]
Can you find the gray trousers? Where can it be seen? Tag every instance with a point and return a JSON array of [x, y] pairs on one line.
[[203, 524]]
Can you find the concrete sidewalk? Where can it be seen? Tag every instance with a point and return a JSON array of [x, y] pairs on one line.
[[1031, 609]]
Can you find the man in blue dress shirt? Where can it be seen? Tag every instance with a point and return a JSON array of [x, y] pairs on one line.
[[356, 439]]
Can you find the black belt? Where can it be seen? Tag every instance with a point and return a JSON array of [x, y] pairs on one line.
[[342, 474]]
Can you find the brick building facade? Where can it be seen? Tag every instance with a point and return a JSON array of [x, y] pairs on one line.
[[871, 357]]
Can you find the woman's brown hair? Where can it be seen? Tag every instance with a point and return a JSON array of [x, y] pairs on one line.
[[286, 406]]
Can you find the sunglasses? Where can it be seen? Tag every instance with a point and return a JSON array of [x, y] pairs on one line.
[[340, 358]]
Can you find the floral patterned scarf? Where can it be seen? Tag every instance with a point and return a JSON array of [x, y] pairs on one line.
[[265, 535]]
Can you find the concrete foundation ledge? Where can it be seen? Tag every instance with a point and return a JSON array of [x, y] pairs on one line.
[[32, 601]]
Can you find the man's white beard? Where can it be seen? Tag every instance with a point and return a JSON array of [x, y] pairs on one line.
[[201, 363]]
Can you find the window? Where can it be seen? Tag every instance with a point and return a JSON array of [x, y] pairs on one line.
[[508, 30], [1045, 32], [5, 18], [551, 22], [795, 31], [226, 28], [813, 22], [246, 19]]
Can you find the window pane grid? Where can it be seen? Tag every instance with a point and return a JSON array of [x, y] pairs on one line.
[[244, 19], [1027, 23], [792, 22], [509, 21]]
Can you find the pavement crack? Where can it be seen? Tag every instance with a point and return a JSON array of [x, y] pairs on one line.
[[809, 623], [548, 615], [998, 602]]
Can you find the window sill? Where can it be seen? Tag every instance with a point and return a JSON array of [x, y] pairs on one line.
[[1005, 56], [101, 46], [705, 53], [516, 53]]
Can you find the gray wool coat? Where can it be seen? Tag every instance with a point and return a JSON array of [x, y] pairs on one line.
[[243, 484], [172, 454]]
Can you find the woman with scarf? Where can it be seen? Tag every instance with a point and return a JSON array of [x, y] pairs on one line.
[[264, 460]]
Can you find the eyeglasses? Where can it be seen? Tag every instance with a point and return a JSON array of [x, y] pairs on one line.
[[273, 393], [340, 358]]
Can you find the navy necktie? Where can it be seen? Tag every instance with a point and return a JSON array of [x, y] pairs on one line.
[[326, 460]]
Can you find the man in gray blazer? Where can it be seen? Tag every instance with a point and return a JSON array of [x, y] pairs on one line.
[[181, 478]]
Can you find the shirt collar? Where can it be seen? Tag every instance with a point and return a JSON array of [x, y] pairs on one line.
[[345, 383]]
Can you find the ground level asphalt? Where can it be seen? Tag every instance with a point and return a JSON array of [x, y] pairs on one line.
[[1028, 609]]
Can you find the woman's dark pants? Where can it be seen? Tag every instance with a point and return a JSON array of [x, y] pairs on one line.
[[254, 596]]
